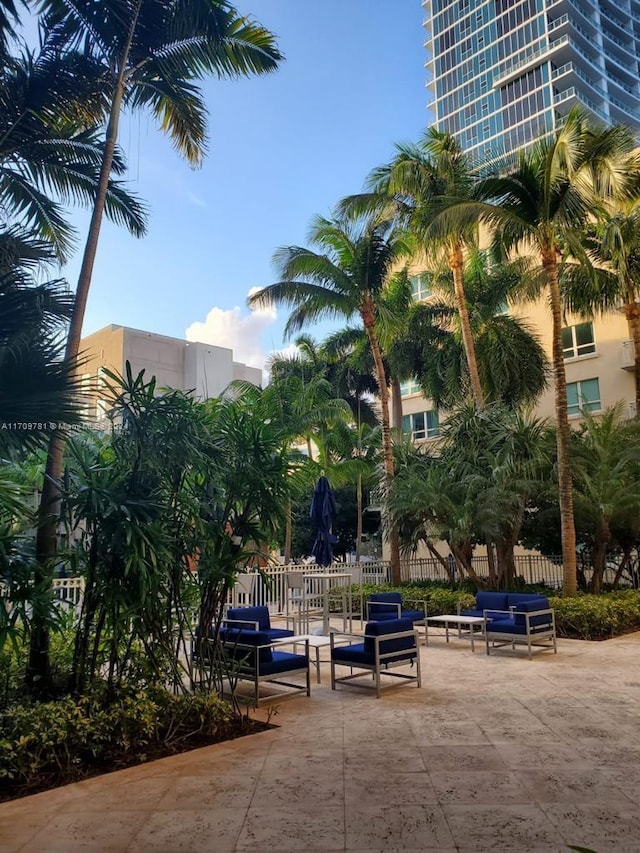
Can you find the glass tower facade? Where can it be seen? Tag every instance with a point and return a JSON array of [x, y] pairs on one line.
[[503, 72]]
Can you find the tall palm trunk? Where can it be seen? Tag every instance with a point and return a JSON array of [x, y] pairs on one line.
[[563, 431], [38, 668], [633, 318], [396, 406], [456, 263], [369, 322], [359, 519]]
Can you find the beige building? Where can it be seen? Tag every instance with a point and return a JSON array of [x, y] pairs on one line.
[[599, 363], [203, 369]]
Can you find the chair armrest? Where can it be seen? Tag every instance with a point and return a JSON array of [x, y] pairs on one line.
[[244, 622], [495, 610], [333, 634]]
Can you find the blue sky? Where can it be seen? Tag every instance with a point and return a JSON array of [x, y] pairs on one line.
[[283, 148]]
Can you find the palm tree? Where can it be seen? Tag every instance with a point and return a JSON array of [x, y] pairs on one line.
[[36, 385], [353, 453], [511, 361], [334, 361], [50, 104], [542, 205], [152, 53], [345, 279], [607, 488], [416, 182], [615, 243]]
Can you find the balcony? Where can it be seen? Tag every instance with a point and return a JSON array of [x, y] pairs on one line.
[[627, 356]]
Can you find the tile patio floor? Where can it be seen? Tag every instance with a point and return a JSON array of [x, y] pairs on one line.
[[494, 753]]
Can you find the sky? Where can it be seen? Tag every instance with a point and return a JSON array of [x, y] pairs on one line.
[[283, 148]]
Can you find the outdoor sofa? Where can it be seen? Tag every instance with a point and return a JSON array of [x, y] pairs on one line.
[[516, 618]]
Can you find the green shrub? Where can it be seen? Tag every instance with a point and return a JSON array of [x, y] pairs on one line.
[[597, 617], [70, 738]]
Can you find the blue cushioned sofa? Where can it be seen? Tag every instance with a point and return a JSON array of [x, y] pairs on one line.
[[388, 605], [385, 645], [516, 618], [252, 658]]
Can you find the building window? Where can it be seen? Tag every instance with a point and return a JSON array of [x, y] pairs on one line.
[[421, 286], [578, 340], [409, 388], [421, 425], [583, 396]]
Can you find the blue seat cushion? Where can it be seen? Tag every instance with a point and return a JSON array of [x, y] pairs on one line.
[[251, 614], [506, 626], [353, 654], [284, 662], [278, 633], [236, 640]]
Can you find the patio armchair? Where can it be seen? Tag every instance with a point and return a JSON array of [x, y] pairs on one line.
[[386, 645], [254, 618], [251, 657], [529, 623], [388, 605]]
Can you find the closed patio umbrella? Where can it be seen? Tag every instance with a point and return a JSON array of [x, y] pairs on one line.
[[323, 513]]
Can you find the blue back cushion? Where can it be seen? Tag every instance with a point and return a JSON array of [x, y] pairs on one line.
[[530, 607], [234, 639], [389, 626], [515, 598], [251, 614], [378, 605], [491, 601]]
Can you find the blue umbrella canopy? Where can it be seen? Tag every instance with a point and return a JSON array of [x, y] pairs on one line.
[[323, 513]]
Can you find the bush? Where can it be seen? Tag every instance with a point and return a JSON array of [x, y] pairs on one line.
[[49, 743], [597, 617]]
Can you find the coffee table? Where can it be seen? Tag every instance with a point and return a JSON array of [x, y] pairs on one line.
[[459, 622]]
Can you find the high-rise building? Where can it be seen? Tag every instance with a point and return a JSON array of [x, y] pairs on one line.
[[504, 72]]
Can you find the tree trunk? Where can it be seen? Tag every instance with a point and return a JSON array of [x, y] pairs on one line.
[[563, 430], [38, 673], [456, 262], [633, 318], [288, 533], [396, 407], [369, 321], [494, 580], [359, 519], [599, 556]]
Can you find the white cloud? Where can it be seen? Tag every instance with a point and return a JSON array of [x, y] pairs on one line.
[[236, 330]]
